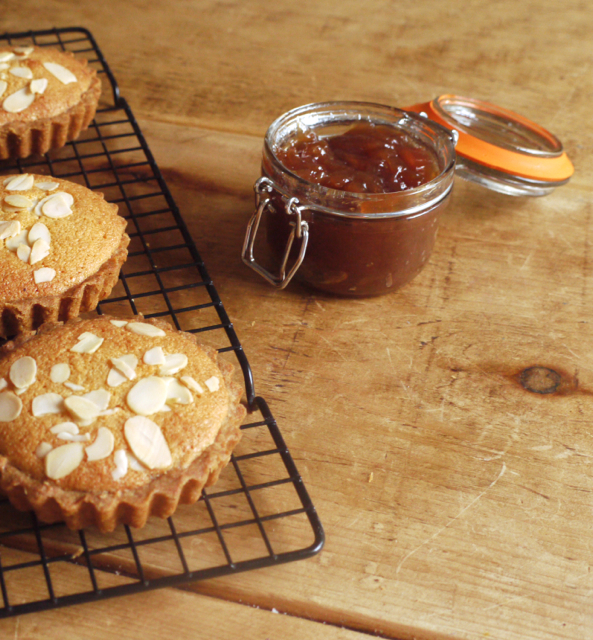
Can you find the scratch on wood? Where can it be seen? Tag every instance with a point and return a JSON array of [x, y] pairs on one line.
[[466, 508]]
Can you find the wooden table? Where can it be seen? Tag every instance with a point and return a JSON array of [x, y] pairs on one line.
[[457, 504]]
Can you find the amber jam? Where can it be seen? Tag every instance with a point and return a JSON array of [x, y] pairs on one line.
[[350, 196], [366, 158]]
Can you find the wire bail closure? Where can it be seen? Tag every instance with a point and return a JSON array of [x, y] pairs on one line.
[[264, 188]]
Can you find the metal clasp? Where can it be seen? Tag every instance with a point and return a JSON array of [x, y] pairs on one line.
[[264, 188]]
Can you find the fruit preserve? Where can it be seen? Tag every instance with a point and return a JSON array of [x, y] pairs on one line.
[[350, 196]]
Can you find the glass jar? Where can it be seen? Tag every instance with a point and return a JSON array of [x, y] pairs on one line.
[[352, 244]]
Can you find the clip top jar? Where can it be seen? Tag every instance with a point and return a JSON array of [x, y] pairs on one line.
[[351, 242]]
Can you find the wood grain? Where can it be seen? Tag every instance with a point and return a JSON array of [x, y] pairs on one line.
[[456, 502]]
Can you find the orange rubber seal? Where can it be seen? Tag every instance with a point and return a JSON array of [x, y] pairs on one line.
[[553, 168]]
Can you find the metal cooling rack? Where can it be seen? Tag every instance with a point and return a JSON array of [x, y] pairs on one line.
[[259, 513]]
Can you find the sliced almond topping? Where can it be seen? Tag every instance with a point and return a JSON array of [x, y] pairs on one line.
[[23, 252], [121, 464], [81, 437], [5, 56], [192, 384], [165, 409], [88, 343], [38, 86], [58, 205], [65, 427], [213, 383], [18, 202], [154, 356], [22, 72], [18, 101], [59, 372], [39, 250], [23, 372], [73, 387], [43, 449], [177, 393], [4, 66], [9, 229], [134, 463], [24, 50], [47, 186], [126, 365], [39, 232], [22, 182], [10, 406], [14, 243], [145, 329], [173, 364], [45, 274], [100, 398], [81, 408], [61, 461], [102, 446], [147, 396], [61, 73], [119, 323], [3, 384], [47, 403], [148, 442], [115, 378], [109, 412], [3, 86]]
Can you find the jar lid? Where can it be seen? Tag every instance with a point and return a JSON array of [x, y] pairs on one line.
[[498, 148]]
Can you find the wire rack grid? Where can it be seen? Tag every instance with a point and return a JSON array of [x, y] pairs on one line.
[[259, 513]]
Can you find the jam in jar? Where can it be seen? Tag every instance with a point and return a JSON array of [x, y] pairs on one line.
[[350, 196]]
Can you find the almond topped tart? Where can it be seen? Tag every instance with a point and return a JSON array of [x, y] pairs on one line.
[[61, 249], [47, 97], [107, 421]]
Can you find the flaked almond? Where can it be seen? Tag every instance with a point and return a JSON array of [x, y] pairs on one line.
[[87, 343], [9, 229], [22, 182], [3, 384], [18, 101], [120, 459], [134, 463], [5, 56], [62, 461], [115, 378], [38, 86], [145, 329], [23, 252], [73, 387], [47, 186], [10, 406], [147, 442], [192, 384], [39, 250], [43, 449], [99, 397], [154, 356], [46, 404], [213, 383], [147, 396], [126, 365], [16, 241], [81, 437], [23, 372], [3, 86], [102, 446], [18, 202], [24, 50], [45, 274], [173, 364], [39, 232], [81, 408], [64, 75], [59, 372], [65, 427], [178, 393], [22, 72], [56, 206], [119, 323]]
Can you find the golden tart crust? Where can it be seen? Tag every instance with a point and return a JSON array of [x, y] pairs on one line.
[[199, 434], [40, 110], [87, 247]]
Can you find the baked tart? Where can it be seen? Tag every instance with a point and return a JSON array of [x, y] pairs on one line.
[[107, 421], [61, 250], [47, 97]]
